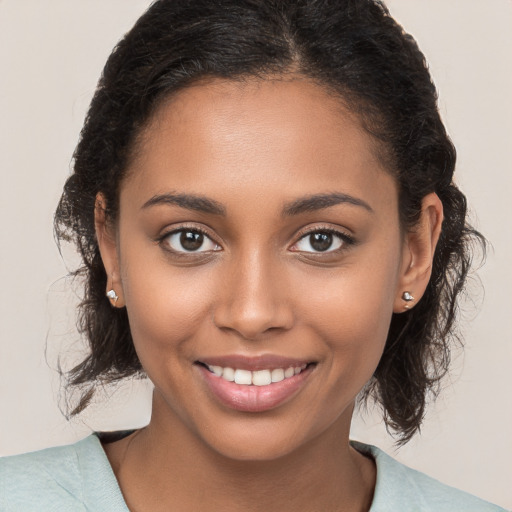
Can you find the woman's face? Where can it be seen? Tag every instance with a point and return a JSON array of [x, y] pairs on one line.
[[258, 232]]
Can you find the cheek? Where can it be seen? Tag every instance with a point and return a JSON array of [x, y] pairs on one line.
[[351, 312], [354, 325], [354, 331], [166, 306]]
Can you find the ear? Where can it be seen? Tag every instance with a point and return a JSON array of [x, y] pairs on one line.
[[418, 254], [108, 250]]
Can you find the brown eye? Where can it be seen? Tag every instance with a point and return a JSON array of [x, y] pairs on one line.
[[321, 241], [190, 240]]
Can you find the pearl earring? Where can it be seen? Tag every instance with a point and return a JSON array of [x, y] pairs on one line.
[[407, 297], [112, 295]]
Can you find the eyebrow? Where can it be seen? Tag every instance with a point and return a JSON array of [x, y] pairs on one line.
[[188, 201], [303, 205], [321, 201]]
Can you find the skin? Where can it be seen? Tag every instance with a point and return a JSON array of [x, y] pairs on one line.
[[257, 288]]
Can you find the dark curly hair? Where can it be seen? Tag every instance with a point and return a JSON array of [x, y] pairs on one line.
[[359, 53]]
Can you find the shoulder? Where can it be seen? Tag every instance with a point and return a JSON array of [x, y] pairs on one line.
[[32, 479], [399, 487], [71, 477]]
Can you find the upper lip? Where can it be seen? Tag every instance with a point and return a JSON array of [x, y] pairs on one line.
[[254, 363]]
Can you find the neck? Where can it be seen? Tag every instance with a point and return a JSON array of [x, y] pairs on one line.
[[179, 469]]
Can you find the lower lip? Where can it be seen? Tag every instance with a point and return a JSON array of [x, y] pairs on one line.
[[254, 398]]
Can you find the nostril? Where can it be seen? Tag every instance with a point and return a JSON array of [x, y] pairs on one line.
[[251, 322]]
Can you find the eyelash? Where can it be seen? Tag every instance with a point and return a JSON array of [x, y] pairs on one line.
[[184, 229], [346, 240]]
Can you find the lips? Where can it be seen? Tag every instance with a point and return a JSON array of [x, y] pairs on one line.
[[254, 384]]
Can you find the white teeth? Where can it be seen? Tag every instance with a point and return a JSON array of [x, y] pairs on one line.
[[256, 378], [289, 372], [262, 378], [217, 370], [277, 375], [228, 374], [243, 377]]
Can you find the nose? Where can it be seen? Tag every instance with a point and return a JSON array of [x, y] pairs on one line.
[[254, 298]]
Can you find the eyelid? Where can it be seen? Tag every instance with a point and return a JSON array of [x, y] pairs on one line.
[[346, 238], [171, 230]]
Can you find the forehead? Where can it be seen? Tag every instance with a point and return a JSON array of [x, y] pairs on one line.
[[230, 136]]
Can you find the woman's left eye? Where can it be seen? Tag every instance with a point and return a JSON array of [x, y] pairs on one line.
[[320, 242], [190, 241]]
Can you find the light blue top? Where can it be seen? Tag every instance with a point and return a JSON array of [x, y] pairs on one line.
[[79, 478]]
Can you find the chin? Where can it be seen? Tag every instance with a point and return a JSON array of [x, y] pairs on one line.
[[257, 445]]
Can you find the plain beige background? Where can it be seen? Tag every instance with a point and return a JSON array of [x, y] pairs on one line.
[[51, 55]]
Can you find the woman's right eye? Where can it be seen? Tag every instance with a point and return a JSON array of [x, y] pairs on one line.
[[190, 241]]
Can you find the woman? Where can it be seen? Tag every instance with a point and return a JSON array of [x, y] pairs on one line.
[[263, 200]]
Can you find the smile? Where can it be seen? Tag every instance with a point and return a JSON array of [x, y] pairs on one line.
[[257, 384], [256, 378]]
